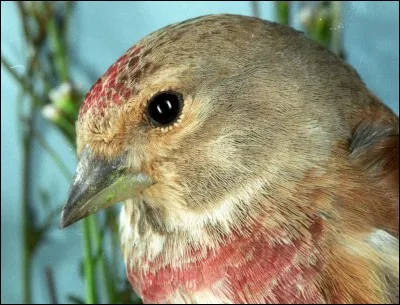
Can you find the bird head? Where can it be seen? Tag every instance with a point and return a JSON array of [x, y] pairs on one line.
[[201, 116]]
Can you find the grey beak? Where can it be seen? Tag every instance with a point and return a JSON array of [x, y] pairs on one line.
[[98, 184]]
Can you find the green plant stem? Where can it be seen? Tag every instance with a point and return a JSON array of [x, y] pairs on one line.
[[49, 32], [107, 276], [27, 122], [25, 192], [336, 40], [68, 12], [283, 11], [26, 255], [60, 61], [88, 262], [58, 51], [51, 286]]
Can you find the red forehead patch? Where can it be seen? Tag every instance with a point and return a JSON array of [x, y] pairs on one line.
[[112, 87]]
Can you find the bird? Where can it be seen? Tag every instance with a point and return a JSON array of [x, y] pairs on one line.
[[254, 166]]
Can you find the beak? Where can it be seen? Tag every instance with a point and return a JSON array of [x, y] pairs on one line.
[[98, 184]]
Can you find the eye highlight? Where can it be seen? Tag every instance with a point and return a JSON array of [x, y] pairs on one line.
[[164, 108]]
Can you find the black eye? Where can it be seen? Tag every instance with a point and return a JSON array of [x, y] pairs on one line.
[[165, 108]]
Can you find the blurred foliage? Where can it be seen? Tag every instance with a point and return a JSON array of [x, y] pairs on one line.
[[321, 20], [48, 91], [283, 11]]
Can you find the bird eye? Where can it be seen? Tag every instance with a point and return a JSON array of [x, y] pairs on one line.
[[165, 108]]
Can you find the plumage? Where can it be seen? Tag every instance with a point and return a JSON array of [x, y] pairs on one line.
[[277, 182]]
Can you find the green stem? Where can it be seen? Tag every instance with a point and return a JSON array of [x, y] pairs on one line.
[[60, 61], [107, 276], [88, 262], [26, 133], [26, 256], [68, 12], [58, 51], [26, 273], [25, 191], [50, 285], [283, 11], [336, 42]]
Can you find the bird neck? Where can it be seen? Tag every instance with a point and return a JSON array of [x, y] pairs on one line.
[[244, 267]]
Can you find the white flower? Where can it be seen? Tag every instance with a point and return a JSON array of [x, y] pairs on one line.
[[305, 14], [59, 93], [50, 112]]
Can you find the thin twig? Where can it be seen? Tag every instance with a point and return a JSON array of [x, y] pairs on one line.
[[336, 42], [28, 124], [27, 88], [107, 276], [68, 12], [88, 262], [57, 50], [53, 154], [25, 191], [255, 8], [50, 285], [23, 17], [28, 121]]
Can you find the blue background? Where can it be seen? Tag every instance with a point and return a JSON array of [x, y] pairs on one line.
[[100, 33]]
